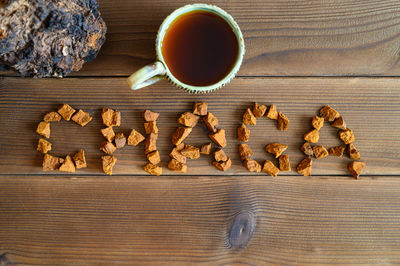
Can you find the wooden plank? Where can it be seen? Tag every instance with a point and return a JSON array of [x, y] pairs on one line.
[[301, 38], [298, 220], [370, 107]]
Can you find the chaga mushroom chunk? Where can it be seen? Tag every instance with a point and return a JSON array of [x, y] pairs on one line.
[[50, 38]]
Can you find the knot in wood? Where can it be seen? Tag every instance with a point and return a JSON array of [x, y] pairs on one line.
[[4, 261], [242, 229]]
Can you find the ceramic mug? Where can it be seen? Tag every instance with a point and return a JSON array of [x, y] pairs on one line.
[[159, 69]]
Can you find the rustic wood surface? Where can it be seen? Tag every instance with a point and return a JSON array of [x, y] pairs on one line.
[[90, 220], [208, 216]]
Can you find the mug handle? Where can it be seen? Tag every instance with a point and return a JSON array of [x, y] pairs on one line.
[[147, 75]]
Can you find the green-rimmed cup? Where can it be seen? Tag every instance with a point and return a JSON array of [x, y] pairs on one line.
[[159, 69]]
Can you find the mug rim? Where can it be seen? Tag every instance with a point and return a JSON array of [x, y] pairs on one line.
[[221, 13]]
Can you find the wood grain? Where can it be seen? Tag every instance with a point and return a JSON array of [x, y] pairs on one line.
[[369, 105], [101, 220], [297, 38]]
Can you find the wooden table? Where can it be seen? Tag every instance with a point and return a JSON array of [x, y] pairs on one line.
[[300, 55]]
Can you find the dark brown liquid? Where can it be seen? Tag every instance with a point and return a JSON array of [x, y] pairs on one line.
[[200, 48]]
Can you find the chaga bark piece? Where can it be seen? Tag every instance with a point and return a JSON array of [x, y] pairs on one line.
[[205, 149], [52, 117], [43, 129], [336, 151], [43, 146], [51, 163], [259, 110], [50, 38], [211, 122], [153, 157], [312, 136], [244, 151], [220, 156], [252, 165], [120, 140], [135, 138], [223, 166], [276, 149], [200, 108], [304, 167], [190, 152], [108, 163], [270, 168], [218, 137], [249, 118], [188, 119], [320, 152], [80, 160], [243, 133], [283, 122], [284, 163], [68, 165], [108, 133], [81, 118], [307, 149], [153, 169], [177, 166], [355, 168], [317, 122], [180, 134]]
